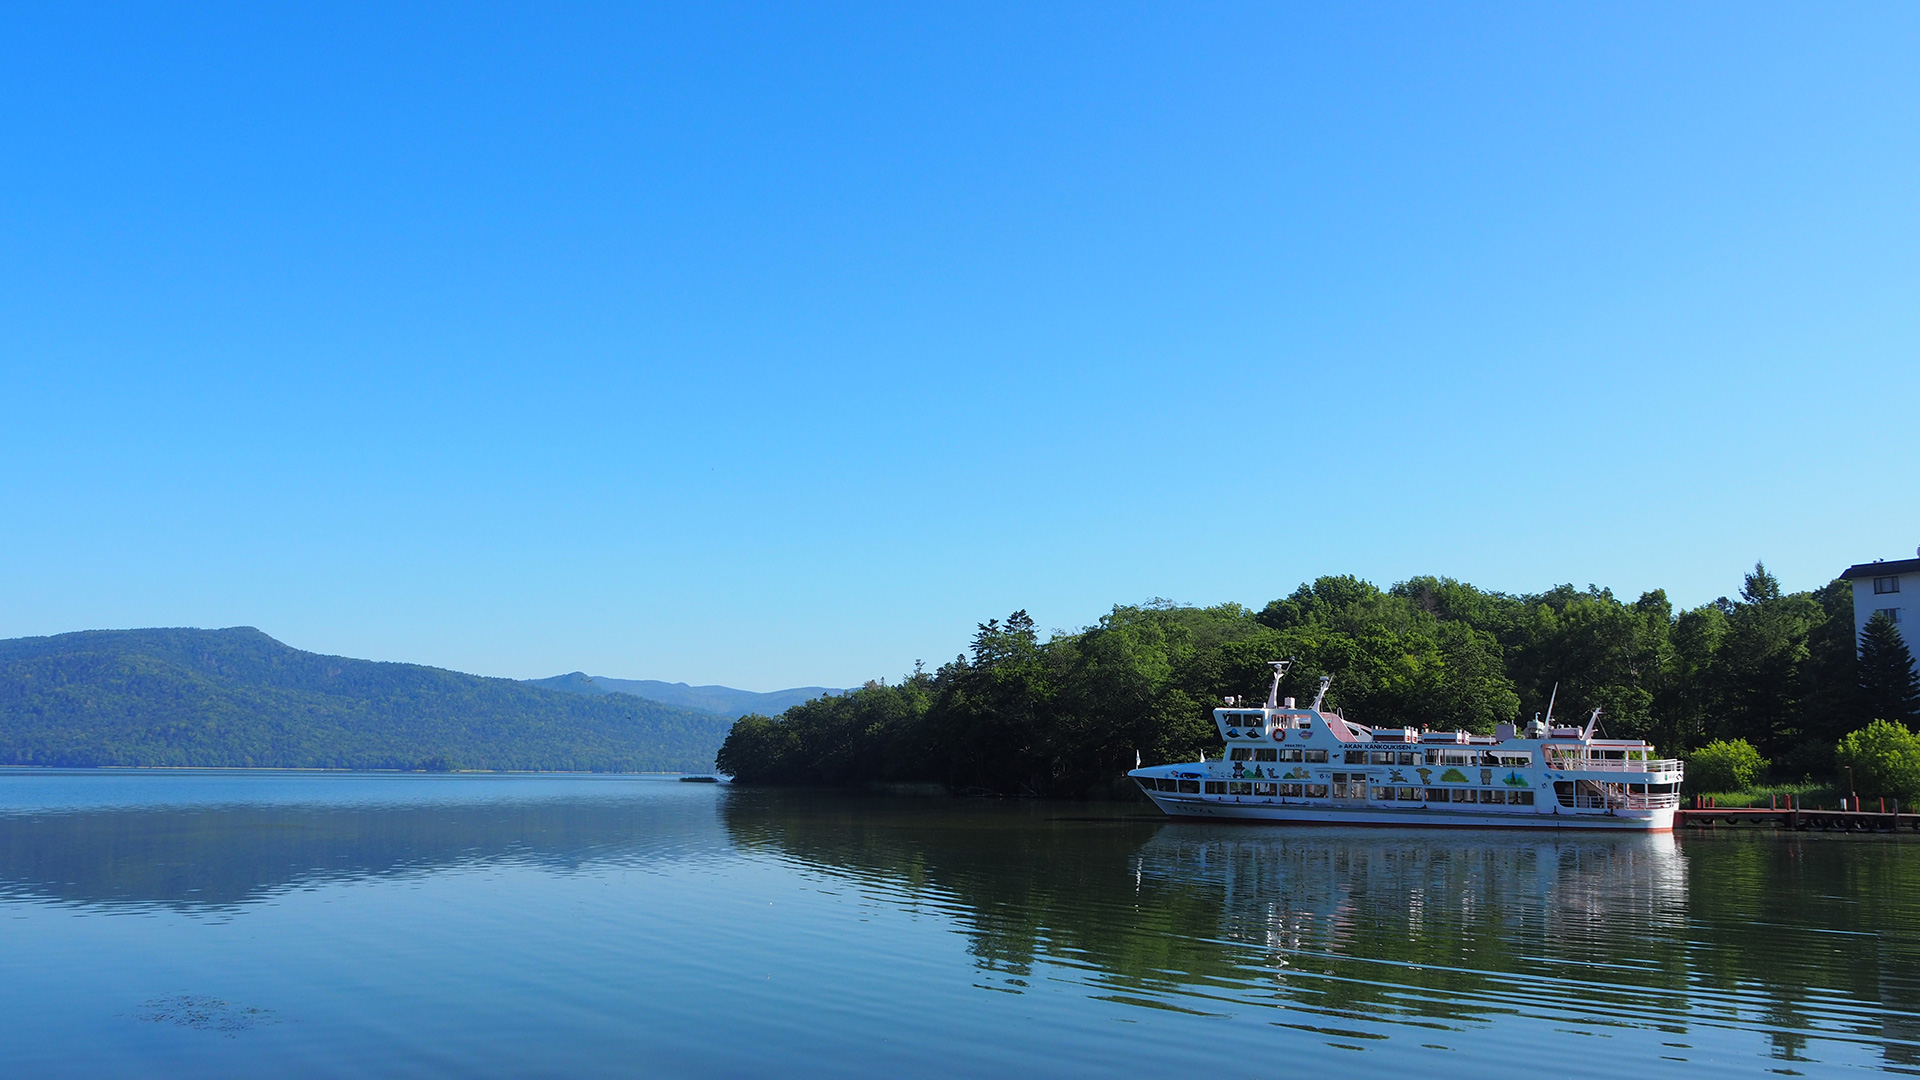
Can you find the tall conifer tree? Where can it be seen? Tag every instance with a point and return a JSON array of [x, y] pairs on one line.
[[1889, 687]]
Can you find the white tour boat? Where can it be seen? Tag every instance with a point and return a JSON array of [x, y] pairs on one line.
[[1303, 765]]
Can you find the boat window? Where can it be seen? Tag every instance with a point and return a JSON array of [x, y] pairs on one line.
[[1240, 753], [1358, 788], [1520, 798], [1515, 761], [1563, 790], [1493, 796], [1289, 755], [1412, 794], [1265, 789], [1465, 795], [1216, 787], [1409, 757], [1380, 757], [1290, 791], [1454, 758], [1317, 756], [1316, 791], [1436, 794], [1386, 793], [1433, 757], [1147, 783], [1239, 787], [1190, 787], [1265, 753]]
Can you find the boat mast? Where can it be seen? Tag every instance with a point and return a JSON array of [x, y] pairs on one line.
[[1273, 692]]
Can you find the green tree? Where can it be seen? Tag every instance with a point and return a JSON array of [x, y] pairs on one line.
[[1889, 688], [1397, 658], [1724, 765], [758, 750], [1688, 702], [1600, 652], [1885, 759], [989, 720], [1760, 689], [1830, 677]]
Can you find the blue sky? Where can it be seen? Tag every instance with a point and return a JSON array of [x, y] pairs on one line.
[[780, 345]]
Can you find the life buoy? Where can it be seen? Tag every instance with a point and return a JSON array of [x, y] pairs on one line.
[[1280, 735]]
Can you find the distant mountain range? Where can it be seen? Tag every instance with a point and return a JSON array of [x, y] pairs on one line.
[[724, 700], [238, 698]]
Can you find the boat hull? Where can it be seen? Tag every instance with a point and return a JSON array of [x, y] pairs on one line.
[[1415, 816]]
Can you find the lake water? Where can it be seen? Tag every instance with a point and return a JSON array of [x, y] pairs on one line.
[[241, 924]]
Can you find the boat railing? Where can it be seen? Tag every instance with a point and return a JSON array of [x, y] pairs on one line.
[[1647, 765], [1624, 802]]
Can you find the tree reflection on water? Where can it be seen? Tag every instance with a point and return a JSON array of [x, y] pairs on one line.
[[1352, 931]]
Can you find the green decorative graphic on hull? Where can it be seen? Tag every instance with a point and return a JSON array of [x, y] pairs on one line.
[[1453, 776], [1514, 779]]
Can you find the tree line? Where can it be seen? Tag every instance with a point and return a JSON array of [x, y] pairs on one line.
[[1062, 716]]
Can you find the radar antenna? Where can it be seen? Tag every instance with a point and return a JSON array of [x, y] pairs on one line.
[[1325, 681], [1273, 692]]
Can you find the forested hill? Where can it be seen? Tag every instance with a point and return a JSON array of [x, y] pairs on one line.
[[238, 698], [715, 699]]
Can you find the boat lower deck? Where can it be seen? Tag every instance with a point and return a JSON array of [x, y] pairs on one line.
[[1414, 815]]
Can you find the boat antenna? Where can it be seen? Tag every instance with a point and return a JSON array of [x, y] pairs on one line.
[[1136, 759], [1550, 699], [1325, 681], [1273, 692], [1592, 723]]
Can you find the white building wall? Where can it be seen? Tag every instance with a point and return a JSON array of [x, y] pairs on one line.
[[1903, 604]]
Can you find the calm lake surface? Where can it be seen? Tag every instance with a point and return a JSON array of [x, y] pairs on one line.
[[253, 924]]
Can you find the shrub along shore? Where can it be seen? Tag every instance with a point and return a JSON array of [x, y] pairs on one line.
[[1768, 686]]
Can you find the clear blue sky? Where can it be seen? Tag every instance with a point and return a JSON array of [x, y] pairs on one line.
[[774, 346]]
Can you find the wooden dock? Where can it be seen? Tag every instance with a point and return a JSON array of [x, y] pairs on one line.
[[1800, 819]]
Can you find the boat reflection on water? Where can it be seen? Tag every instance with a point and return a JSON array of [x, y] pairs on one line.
[[1429, 926]]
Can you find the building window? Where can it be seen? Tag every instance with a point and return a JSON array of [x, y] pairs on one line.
[[1892, 614], [1885, 585]]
